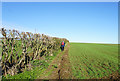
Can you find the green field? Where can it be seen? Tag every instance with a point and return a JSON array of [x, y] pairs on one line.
[[93, 60]]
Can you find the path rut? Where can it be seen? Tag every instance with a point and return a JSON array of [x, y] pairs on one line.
[[63, 69]]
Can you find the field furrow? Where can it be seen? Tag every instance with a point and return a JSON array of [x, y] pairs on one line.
[[90, 61]]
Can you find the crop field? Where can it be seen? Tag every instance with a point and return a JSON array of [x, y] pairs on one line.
[[89, 61]]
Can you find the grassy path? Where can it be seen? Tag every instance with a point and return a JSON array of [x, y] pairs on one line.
[[59, 68], [65, 68]]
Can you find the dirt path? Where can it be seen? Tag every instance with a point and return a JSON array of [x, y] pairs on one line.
[[65, 68], [59, 68]]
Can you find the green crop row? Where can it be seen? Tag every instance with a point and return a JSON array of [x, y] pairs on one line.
[[93, 60]]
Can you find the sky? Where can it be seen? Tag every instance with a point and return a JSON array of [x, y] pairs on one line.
[[59, 0], [93, 22]]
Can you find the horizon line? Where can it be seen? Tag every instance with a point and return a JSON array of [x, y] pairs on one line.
[[94, 42]]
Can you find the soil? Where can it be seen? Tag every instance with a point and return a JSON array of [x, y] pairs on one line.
[[114, 76]]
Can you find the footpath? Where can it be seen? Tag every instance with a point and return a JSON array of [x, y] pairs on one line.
[[59, 68]]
